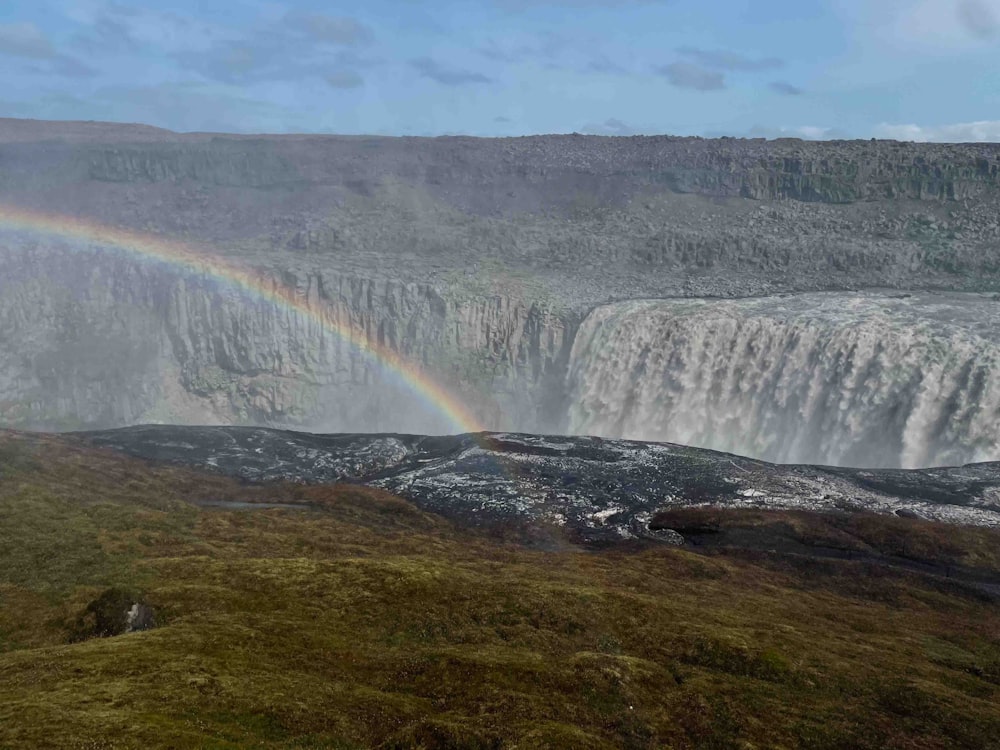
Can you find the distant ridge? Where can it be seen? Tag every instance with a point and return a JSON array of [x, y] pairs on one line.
[[16, 130]]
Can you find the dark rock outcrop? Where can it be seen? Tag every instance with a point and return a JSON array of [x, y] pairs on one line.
[[599, 490], [116, 611]]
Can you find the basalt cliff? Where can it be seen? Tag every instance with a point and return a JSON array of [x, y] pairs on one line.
[[550, 283]]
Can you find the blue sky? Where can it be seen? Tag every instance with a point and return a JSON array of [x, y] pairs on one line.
[[910, 69]]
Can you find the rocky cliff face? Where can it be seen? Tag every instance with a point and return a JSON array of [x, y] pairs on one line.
[[91, 337], [576, 220], [474, 258]]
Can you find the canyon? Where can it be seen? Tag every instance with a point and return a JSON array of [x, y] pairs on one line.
[[792, 301]]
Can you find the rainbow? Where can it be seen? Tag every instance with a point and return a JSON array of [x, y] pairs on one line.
[[190, 260]]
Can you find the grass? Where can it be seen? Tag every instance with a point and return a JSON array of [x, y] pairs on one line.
[[368, 623], [863, 534]]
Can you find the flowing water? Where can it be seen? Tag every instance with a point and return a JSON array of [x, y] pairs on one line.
[[841, 379]]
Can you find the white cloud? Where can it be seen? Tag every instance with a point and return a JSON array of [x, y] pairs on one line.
[[785, 88], [24, 40], [444, 74], [946, 23], [812, 132], [963, 132], [112, 33], [979, 17], [613, 126], [338, 30], [927, 26], [345, 79], [726, 60], [689, 76], [806, 132]]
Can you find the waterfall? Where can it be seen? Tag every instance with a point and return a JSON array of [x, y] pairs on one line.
[[862, 380]]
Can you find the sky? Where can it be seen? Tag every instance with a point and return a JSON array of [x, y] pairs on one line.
[[904, 69]]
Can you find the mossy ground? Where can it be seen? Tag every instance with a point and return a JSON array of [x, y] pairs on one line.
[[367, 623]]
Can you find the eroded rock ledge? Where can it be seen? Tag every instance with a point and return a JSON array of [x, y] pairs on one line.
[[600, 490]]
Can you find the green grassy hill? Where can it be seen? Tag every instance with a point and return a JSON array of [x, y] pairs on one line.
[[364, 622]]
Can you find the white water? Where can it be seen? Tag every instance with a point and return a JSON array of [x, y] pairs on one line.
[[839, 379]]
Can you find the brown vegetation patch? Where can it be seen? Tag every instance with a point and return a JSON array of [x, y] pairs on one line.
[[355, 620]]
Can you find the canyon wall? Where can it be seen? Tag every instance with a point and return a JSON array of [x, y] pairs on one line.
[[92, 337], [476, 260], [568, 220]]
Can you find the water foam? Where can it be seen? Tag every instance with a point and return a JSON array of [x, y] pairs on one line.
[[840, 379]]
